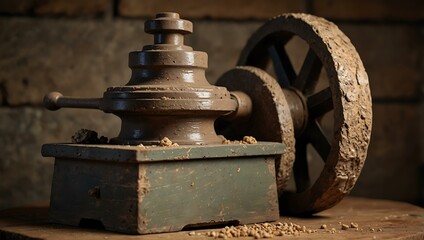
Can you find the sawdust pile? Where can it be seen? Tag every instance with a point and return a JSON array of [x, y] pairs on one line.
[[269, 230], [263, 230]]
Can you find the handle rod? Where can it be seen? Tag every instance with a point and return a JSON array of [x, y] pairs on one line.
[[55, 100]]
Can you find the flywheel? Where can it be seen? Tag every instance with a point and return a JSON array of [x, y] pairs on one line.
[[346, 98]]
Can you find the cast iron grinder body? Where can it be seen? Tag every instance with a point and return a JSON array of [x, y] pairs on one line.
[[133, 184]]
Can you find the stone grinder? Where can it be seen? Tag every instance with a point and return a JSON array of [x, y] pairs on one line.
[[136, 184]]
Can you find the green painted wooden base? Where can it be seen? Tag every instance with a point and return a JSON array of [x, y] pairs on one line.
[[159, 189]]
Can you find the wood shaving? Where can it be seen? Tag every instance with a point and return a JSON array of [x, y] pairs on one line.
[[246, 140], [166, 142], [249, 140], [345, 227]]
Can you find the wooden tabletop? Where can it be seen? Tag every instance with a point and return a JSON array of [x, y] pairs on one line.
[[377, 219]]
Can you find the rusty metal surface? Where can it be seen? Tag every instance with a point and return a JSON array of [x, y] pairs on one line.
[[167, 95], [348, 95], [270, 118]]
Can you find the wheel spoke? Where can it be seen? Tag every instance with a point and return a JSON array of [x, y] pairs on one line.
[[318, 139], [309, 73], [300, 167], [320, 103], [282, 65]]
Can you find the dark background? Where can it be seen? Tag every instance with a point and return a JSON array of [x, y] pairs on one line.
[[81, 47]]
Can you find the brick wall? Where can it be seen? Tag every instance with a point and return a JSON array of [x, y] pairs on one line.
[[81, 47]]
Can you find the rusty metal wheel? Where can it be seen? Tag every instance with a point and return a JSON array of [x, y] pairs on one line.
[[348, 96]]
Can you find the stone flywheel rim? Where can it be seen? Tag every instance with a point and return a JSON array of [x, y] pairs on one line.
[[348, 95]]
